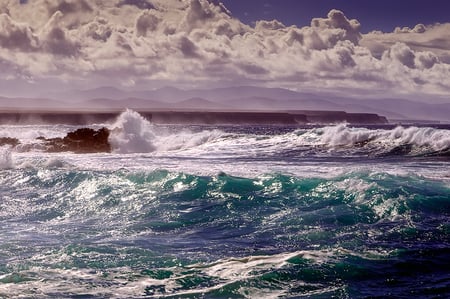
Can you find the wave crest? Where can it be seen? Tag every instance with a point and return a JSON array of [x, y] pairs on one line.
[[132, 133], [400, 140]]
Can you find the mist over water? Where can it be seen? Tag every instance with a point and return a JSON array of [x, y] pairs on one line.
[[227, 212]]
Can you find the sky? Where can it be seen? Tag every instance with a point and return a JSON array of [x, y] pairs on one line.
[[384, 15], [352, 48]]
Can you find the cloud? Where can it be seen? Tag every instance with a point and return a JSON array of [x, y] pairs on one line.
[[16, 36], [346, 29], [141, 4], [197, 42], [55, 40], [401, 53], [188, 48], [68, 6], [434, 38], [146, 22]]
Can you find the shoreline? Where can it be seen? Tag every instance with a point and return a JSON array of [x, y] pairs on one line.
[[205, 117]]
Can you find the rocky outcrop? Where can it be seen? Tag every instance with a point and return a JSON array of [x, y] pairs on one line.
[[9, 141], [83, 140]]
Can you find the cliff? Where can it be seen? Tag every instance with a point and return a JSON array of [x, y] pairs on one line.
[[197, 117]]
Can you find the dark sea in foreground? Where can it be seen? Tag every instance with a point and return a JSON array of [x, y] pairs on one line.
[[227, 212]]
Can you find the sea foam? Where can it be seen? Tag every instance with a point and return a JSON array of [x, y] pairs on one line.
[[132, 133], [6, 160], [342, 135]]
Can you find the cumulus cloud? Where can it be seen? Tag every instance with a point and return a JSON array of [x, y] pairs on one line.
[[146, 22], [199, 42], [343, 28], [435, 38], [16, 36]]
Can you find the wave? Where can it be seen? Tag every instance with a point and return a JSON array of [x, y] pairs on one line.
[[6, 160], [132, 133], [168, 234], [400, 140], [269, 200]]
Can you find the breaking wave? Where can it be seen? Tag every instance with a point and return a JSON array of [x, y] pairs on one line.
[[411, 140], [162, 234], [6, 160], [132, 133]]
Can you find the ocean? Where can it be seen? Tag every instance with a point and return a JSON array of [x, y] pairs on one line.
[[334, 211]]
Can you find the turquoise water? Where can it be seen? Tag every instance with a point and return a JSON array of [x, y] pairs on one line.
[[93, 234], [333, 212]]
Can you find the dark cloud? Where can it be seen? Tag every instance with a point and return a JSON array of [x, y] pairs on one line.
[[197, 13], [253, 69], [295, 35], [54, 38], [141, 4], [188, 48], [70, 6], [426, 60], [16, 36], [99, 30], [146, 22], [402, 53], [57, 43]]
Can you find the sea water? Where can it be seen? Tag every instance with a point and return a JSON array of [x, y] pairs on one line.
[[227, 212]]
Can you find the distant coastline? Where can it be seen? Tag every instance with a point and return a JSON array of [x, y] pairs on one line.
[[206, 117]]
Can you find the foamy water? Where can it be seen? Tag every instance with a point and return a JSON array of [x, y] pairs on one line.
[[227, 212]]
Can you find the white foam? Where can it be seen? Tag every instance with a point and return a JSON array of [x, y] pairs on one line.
[[342, 135], [6, 160], [132, 133], [186, 139]]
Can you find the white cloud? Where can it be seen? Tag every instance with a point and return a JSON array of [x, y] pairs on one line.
[[435, 38], [196, 41]]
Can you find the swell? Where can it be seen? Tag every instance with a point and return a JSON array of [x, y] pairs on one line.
[[353, 188], [168, 234], [274, 207]]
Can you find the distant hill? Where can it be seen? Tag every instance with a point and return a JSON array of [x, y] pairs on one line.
[[131, 103], [31, 104], [267, 104], [229, 98], [199, 104]]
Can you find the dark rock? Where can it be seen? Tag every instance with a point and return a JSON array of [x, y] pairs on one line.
[[83, 140], [9, 141]]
